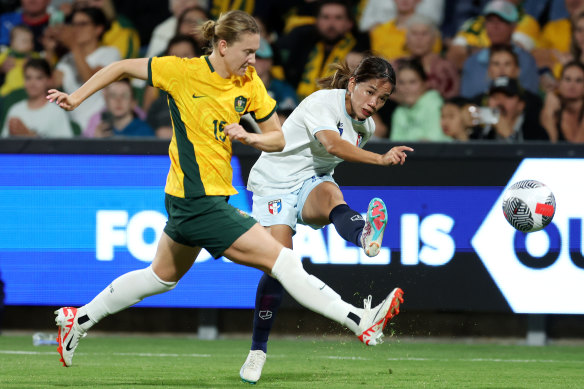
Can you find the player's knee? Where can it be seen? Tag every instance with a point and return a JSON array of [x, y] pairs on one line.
[[287, 264], [164, 285]]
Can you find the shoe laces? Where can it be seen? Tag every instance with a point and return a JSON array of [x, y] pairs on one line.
[[367, 303], [366, 232], [255, 360], [365, 318]]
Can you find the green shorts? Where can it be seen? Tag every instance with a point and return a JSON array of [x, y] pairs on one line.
[[208, 222]]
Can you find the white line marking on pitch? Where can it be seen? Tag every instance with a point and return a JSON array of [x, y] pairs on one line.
[[497, 360], [19, 352], [163, 355], [337, 357]]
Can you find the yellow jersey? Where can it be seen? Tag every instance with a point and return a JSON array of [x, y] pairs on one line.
[[14, 78], [557, 34], [474, 33], [201, 104], [217, 7], [389, 41], [124, 37]]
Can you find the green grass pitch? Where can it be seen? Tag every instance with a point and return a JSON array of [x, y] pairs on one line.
[[185, 362]]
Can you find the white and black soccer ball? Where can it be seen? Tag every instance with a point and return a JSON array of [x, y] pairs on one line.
[[529, 205]]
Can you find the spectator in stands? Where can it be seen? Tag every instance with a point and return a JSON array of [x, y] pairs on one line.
[[164, 32], [563, 112], [473, 36], [13, 59], [119, 119], [577, 46], [158, 118], [33, 14], [503, 62], [308, 51], [83, 36], [556, 39], [500, 20], [456, 119], [389, 39], [456, 13], [302, 13], [418, 116], [53, 49], [188, 22], [547, 10], [514, 122], [420, 39], [35, 116], [559, 59], [218, 7], [121, 33], [380, 11], [279, 90]]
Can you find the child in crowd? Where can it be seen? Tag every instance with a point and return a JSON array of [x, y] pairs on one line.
[[12, 59], [459, 119], [35, 116], [119, 118]]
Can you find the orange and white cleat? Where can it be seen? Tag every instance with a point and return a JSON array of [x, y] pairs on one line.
[[374, 228], [374, 320], [69, 333]]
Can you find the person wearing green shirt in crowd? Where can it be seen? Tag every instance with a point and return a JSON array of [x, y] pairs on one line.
[[417, 118]]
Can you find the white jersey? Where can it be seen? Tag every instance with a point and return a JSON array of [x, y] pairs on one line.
[[48, 121], [304, 156]]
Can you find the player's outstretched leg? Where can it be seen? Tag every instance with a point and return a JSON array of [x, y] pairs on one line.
[[375, 319], [315, 295], [123, 292], [374, 228], [69, 333], [268, 299]]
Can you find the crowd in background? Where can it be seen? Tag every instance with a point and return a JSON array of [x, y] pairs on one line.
[[510, 71]]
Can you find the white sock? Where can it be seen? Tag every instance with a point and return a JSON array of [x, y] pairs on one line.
[[312, 292], [123, 292]]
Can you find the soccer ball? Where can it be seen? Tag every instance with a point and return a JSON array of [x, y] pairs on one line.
[[529, 205]]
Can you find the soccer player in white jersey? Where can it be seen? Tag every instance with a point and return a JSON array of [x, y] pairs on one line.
[[295, 185]]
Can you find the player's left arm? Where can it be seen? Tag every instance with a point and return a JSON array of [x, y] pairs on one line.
[[335, 145], [270, 139]]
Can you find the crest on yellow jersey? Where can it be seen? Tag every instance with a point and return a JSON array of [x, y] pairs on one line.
[[240, 103]]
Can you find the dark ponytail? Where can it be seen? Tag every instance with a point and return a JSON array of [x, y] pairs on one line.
[[370, 68]]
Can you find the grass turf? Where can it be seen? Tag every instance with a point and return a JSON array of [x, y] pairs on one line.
[[183, 362]]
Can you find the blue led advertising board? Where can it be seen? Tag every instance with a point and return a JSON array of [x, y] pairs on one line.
[[70, 224]]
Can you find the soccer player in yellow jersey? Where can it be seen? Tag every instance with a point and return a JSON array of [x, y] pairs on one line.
[[207, 96]]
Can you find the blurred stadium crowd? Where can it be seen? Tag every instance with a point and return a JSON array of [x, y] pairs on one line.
[[507, 71]]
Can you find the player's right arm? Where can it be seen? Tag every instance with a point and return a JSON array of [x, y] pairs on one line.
[[134, 68], [335, 145], [270, 139]]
